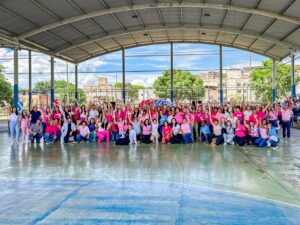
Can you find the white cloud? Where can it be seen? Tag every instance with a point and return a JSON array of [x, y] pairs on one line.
[[147, 82]]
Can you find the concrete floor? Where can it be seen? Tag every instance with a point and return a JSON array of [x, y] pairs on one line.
[[149, 184]]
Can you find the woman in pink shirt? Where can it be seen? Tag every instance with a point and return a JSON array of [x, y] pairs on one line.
[[286, 114], [217, 130], [166, 133], [179, 116], [240, 133], [186, 131], [25, 126], [252, 133], [83, 132], [50, 134], [46, 116], [263, 134], [146, 132]]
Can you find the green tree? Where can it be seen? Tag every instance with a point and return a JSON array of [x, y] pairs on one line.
[[62, 90], [261, 81], [186, 85], [6, 91], [132, 89]]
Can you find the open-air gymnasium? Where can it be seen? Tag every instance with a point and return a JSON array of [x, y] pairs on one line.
[[150, 112]]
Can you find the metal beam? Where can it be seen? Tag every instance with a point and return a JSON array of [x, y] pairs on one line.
[[16, 76], [185, 27], [52, 80], [164, 5], [172, 72], [221, 75], [76, 83], [293, 86], [30, 80], [123, 77], [273, 81], [176, 41]]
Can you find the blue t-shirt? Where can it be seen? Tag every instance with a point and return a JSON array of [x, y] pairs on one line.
[[162, 119], [205, 129], [35, 115], [273, 132]]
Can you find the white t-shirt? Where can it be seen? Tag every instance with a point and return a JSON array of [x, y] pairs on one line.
[[93, 114], [13, 117], [247, 114], [154, 129], [176, 129]]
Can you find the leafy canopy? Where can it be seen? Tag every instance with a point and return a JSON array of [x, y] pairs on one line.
[[261, 81], [62, 90], [186, 85], [6, 91]]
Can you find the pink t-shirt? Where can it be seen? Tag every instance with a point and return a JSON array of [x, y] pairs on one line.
[[286, 114], [263, 132], [120, 127], [272, 116], [240, 130], [83, 131], [147, 130], [253, 131], [179, 117], [217, 130], [109, 118], [185, 127], [239, 115]]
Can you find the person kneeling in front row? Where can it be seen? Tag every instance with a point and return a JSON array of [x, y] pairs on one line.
[[36, 131]]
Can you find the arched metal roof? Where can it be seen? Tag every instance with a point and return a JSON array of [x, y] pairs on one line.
[[77, 30]]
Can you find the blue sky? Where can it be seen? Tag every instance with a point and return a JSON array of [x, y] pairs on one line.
[[150, 61]]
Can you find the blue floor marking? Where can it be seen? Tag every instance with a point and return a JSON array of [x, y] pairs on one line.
[[56, 207], [130, 202]]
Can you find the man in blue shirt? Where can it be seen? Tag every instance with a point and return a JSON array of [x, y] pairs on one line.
[[35, 115]]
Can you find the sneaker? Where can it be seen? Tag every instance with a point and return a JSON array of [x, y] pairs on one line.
[[275, 148], [225, 143], [47, 143], [283, 138]]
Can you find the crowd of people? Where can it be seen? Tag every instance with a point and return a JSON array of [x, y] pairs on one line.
[[151, 122]]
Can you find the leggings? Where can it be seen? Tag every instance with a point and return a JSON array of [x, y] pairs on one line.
[[14, 130], [103, 134]]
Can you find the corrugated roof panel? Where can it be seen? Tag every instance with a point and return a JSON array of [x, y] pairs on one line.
[[91, 47], [158, 35], [191, 15], [280, 28], [171, 15], [125, 39], [48, 41], [236, 19], [87, 27], [116, 3], [126, 18], [67, 33], [29, 11], [107, 23], [274, 5], [61, 8], [150, 16], [261, 45], [13, 24], [246, 3], [243, 40], [258, 23], [213, 16], [294, 10], [76, 53], [90, 5]]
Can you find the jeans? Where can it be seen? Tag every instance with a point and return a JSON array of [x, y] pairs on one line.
[[219, 139], [228, 138], [49, 138], [286, 129], [93, 136], [261, 142], [205, 137], [14, 130], [36, 137], [177, 139], [67, 137], [241, 141], [251, 140], [146, 139], [81, 138], [114, 135], [187, 138]]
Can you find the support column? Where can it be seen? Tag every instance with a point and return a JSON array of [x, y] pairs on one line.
[[16, 76], [52, 80], [76, 83], [273, 81], [293, 91], [221, 75], [172, 72], [30, 80], [123, 77]]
